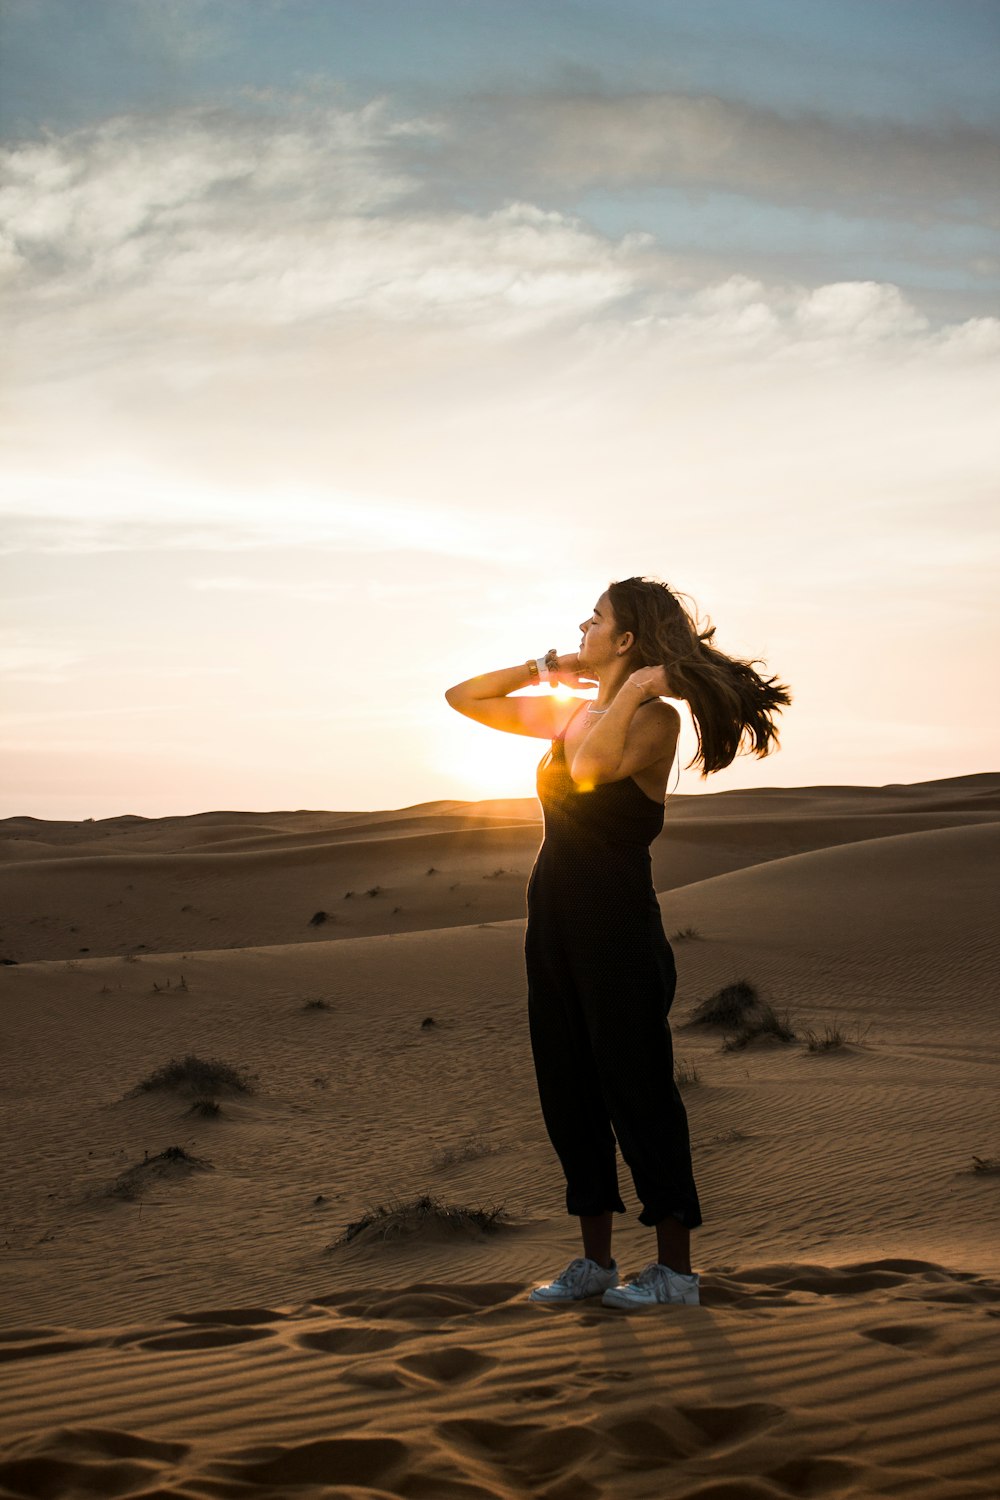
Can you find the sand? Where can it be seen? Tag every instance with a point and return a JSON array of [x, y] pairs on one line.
[[196, 1324]]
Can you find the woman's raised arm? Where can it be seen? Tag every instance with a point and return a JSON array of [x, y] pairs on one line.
[[487, 700]]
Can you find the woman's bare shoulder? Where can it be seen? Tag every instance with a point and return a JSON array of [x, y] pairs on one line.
[[657, 723]]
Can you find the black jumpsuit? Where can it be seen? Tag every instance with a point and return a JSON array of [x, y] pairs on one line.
[[601, 981]]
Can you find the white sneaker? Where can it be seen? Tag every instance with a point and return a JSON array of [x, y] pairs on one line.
[[581, 1278], [657, 1283]]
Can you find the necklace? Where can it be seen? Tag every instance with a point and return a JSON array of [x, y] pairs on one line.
[[597, 710]]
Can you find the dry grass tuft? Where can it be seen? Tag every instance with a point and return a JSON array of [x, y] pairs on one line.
[[764, 1023], [181, 986], [684, 933], [209, 1109], [199, 1076], [834, 1036], [471, 1149], [685, 1073], [398, 1220], [730, 1006]]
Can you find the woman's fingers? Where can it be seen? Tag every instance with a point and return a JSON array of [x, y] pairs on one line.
[[653, 681]]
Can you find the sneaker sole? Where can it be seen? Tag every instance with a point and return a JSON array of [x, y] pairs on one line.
[[564, 1301], [644, 1306]]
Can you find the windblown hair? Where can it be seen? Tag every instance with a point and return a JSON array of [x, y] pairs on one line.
[[732, 706]]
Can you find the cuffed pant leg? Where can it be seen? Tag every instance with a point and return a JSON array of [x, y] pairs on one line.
[[631, 1042], [569, 1086]]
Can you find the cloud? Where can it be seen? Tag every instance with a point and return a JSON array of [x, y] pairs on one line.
[[569, 142], [211, 217], [255, 331]]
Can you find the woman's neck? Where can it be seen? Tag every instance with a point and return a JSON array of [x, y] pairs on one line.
[[609, 680]]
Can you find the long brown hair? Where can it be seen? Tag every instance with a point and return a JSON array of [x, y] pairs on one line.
[[732, 706]]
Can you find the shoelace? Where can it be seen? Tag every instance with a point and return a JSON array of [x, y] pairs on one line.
[[575, 1273], [648, 1276]]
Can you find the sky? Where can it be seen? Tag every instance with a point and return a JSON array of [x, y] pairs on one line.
[[352, 347]]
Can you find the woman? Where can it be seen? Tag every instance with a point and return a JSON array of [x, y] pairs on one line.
[[601, 974]]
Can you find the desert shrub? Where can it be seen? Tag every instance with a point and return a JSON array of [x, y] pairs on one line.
[[197, 1075], [683, 933], [396, 1220], [766, 1023], [728, 1007], [171, 1163], [986, 1164], [318, 918], [315, 1005]]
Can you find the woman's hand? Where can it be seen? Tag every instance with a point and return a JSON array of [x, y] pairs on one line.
[[652, 682], [568, 672]]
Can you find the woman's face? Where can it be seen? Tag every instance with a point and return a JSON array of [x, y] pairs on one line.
[[599, 635]]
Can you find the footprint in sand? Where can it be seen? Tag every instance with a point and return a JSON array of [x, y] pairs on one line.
[[88, 1460], [446, 1365], [374, 1375], [901, 1335], [199, 1338], [535, 1453], [659, 1434], [536, 1393], [353, 1339], [377, 1462], [34, 1348], [425, 1300], [235, 1316], [818, 1476]]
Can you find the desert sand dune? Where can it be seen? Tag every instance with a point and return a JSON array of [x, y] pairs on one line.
[[183, 1313], [212, 886]]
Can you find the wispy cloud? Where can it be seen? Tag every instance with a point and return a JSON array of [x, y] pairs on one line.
[[559, 143], [278, 222]]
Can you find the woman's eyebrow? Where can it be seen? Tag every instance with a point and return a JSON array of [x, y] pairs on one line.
[[596, 610]]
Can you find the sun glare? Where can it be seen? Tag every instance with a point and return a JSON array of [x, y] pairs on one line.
[[485, 763], [481, 762]]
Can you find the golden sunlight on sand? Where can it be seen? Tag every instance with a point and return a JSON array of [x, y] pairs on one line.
[[276, 1185]]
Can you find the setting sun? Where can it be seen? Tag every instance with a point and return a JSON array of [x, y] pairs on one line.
[[482, 762]]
